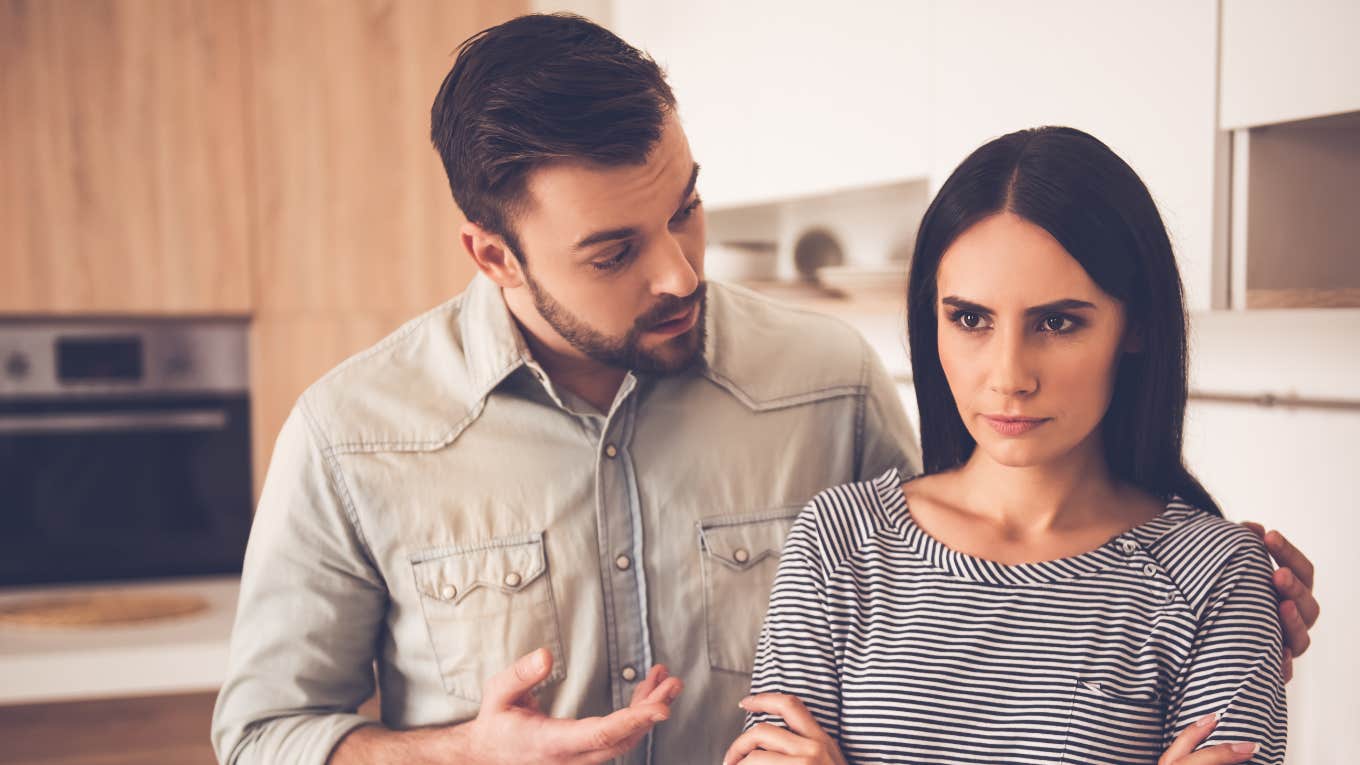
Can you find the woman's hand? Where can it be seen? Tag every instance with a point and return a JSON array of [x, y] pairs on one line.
[[1182, 750], [804, 743], [1294, 584]]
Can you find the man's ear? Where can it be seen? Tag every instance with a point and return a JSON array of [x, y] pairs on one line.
[[492, 256]]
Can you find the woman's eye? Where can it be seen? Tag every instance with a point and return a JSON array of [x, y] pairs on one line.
[[970, 320], [1058, 324]]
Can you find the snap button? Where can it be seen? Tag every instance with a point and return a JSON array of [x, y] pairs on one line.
[[448, 591], [512, 579], [1128, 546], [622, 563], [741, 555], [611, 452], [629, 674], [1150, 570]]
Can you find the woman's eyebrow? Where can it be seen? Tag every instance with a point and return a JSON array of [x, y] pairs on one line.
[[966, 305], [1067, 304]]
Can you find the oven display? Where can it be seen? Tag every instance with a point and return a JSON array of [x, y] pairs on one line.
[[99, 359]]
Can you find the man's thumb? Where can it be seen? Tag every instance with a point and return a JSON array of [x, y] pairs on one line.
[[504, 688]]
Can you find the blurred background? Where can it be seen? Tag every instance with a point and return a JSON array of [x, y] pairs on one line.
[[206, 204]]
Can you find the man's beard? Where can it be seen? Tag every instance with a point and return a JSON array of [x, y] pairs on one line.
[[627, 352]]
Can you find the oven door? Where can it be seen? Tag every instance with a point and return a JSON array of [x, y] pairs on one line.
[[120, 489]]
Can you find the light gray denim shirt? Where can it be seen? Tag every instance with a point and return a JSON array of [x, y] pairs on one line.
[[436, 508]]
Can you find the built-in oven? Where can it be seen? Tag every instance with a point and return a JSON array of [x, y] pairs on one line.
[[124, 449]]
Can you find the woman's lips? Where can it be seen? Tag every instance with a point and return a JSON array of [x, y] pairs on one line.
[[1013, 426], [679, 325]]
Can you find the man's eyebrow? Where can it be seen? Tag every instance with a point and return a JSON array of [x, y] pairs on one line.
[[608, 235], [1066, 304], [627, 232], [689, 187]]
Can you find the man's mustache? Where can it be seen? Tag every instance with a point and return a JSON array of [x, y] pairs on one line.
[[669, 306]]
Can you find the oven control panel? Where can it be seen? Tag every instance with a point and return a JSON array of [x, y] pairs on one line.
[[118, 356]]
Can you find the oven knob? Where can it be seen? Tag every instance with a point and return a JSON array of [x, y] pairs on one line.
[[16, 366]]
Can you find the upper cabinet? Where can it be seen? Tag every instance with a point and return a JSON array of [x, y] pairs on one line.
[[1138, 76], [123, 143], [792, 98], [1288, 61]]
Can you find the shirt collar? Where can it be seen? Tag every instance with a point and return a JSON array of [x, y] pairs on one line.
[[492, 342]]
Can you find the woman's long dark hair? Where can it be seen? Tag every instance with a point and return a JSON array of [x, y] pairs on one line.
[[1079, 191]]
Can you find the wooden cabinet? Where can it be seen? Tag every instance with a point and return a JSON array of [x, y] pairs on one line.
[[355, 229], [144, 730], [123, 138], [1288, 61]]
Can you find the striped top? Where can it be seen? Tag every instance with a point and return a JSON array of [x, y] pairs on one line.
[[906, 651]]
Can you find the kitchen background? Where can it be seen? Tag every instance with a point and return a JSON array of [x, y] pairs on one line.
[[260, 169]]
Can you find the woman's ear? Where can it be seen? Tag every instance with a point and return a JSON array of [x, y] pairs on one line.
[[492, 256]]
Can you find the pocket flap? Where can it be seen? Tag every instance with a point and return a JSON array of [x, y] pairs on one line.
[[506, 564], [743, 541]]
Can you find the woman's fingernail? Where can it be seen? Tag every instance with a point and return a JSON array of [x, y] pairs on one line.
[[658, 717], [1205, 720], [1246, 748]]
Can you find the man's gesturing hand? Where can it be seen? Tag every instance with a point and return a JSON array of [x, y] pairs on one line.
[[510, 729]]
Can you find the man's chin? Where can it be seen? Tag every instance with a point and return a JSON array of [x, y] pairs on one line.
[[673, 355]]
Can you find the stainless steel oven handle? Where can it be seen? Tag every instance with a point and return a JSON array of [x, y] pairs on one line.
[[109, 422]]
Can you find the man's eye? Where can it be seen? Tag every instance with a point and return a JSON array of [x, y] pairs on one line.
[[614, 261], [688, 211]]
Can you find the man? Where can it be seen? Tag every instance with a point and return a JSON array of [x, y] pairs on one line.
[[533, 505]]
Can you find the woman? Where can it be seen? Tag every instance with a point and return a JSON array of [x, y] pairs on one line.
[[1056, 586]]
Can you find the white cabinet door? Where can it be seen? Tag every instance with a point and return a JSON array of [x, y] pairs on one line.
[[783, 99], [1138, 76], [1288, 61]]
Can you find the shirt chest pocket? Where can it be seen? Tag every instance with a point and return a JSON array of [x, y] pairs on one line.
[[740, 555], [486, 605], [1112, 724]]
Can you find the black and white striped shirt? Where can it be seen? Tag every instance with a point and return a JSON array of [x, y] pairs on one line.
[[909, 652]]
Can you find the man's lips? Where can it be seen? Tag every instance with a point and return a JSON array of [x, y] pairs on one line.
[[678, 323]]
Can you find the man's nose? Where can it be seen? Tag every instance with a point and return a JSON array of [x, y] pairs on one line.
[[672, 272]]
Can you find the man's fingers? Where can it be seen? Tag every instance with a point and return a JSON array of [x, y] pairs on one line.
[[1290, 587], [1220, 754], [665, 692], [771, 738], [604, 735], [1287, 666], [505, 688], [649, 683], [1295, 630], [1256, 528], [1191, 737], [1288, 555], [790, 708]]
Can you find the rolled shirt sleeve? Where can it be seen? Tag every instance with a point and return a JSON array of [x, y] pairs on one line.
[[308, 618]]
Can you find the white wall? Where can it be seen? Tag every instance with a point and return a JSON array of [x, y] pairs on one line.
[[1295, 470]]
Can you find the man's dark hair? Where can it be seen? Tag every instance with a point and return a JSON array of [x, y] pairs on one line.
[[533, 90], [1079, 191]]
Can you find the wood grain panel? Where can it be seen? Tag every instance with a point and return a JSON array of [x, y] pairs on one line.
[[353, 208], [145, 730], [122, 138]]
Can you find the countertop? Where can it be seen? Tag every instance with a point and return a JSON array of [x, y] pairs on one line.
[[187, 653]]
